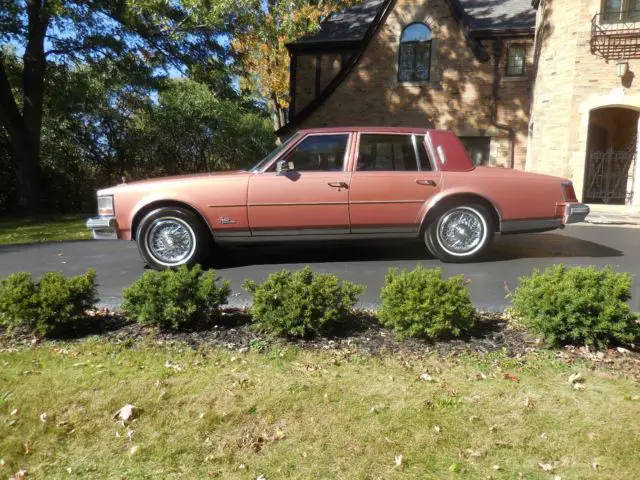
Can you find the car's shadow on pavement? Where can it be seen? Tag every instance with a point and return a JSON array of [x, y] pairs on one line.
[[511, 247]]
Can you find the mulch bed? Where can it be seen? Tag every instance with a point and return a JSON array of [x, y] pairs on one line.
[[364, 336]]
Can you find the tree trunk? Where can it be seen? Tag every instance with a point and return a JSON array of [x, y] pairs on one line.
[[26, 163], [25, 128]]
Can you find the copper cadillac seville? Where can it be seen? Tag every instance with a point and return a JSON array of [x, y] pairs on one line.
[[339, 183]]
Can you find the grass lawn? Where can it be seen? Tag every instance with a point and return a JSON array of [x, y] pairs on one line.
[[15, 230], [287, 413]]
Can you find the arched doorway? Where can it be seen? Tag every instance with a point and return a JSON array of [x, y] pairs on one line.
[[612, 150]]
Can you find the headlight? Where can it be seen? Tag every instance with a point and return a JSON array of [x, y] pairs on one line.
[[105, 205]]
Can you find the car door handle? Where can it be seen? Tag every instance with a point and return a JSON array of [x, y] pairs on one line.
[[338, 184], [429, 183]]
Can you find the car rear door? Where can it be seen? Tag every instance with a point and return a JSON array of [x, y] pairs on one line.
[[312, 198], [393, 177]]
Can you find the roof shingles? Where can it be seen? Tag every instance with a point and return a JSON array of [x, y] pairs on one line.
[[351, 24]]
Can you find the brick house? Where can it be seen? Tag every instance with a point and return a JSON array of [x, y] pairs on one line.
[[462, 65], [586, 99], [524, 83]]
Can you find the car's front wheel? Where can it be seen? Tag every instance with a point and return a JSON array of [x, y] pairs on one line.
[[169, 237], [460, 234]]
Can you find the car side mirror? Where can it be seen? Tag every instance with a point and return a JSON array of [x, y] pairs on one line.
[[283, 166]]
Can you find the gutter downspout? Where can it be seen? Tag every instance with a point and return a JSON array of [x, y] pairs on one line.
[[497, 51]]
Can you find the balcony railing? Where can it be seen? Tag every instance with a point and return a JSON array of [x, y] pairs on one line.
[[616, 35]]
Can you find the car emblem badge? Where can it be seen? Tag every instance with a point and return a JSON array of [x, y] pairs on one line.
[[226, 221]]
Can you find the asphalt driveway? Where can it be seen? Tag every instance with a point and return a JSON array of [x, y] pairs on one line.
[[118, 263]]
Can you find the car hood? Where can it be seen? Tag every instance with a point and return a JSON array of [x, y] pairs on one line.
[[151, 183]]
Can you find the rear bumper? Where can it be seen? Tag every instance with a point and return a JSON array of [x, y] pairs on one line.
[[103, 228], [576, 213]]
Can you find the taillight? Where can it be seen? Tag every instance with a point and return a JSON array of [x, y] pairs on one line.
[[568, 193]]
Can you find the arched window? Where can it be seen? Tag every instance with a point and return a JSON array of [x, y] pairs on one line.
[[414, 61]]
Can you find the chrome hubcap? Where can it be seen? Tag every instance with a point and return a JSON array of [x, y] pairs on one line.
[[171, 241], [461, 231]]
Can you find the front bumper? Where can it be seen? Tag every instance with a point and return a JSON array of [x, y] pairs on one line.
[[103, 227], [576, 213]]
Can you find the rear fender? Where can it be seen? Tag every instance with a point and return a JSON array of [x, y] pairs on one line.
[[456, 195]]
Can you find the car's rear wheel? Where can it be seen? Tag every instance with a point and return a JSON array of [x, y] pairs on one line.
[[460, 234], [169, 237]]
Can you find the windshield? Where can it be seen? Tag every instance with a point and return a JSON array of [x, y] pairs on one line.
[[274, 153]]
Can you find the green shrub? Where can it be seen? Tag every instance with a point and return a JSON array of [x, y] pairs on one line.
[[175, 298], [301, 304], [54, 303], [577, 305], [421, 303]]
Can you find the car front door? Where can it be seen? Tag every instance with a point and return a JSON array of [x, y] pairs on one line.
[[392, 179], [311, 197]]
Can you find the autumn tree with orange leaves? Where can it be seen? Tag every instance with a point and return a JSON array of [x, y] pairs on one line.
[[260, 43]]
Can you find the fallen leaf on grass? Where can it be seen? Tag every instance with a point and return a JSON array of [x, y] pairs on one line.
[[575, 378], [126, 413], [546, 467], [425, 377], [591, 435], [26, 448], [529, 403], [133, 450], [19, 475], [174, 366], [511, 377], [474, 453], [14, 412]]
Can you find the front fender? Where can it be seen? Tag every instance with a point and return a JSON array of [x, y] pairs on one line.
[[165, 196]]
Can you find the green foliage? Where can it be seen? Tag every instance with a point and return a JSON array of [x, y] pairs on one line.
[[54, 303], [112, 105], [421, 303], [301, 304], [175, 298], [581, 305]]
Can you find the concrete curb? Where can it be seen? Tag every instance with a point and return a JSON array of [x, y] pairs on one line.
[[612, 219]]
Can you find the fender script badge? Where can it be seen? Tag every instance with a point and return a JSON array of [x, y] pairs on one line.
[[226, 221]]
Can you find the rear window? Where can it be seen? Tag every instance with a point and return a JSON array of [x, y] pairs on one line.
[[378, 152]]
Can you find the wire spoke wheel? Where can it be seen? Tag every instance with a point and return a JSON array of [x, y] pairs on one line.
[[171, 241], [461, 231]]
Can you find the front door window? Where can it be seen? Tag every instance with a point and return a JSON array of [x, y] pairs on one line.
[[319, 153]]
